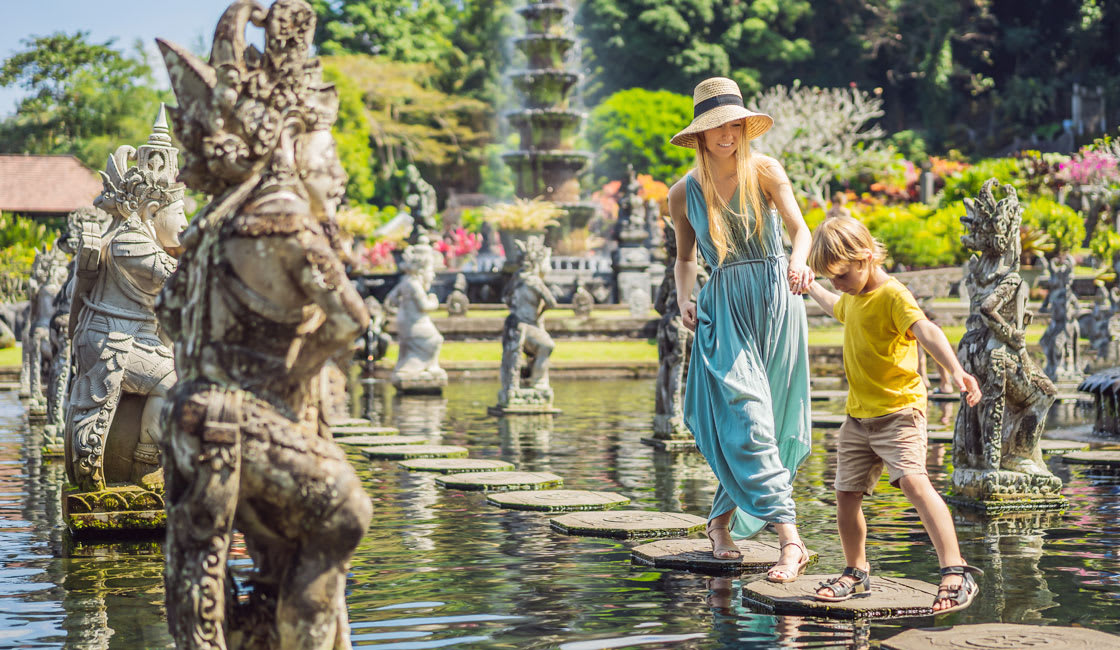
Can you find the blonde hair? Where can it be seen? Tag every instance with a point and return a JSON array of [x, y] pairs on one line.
[[747, 171], [842, 240]]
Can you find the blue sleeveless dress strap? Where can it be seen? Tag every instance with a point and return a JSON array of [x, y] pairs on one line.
[[747, 394]]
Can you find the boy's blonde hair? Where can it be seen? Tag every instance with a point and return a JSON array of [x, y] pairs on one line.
[[839, 241]]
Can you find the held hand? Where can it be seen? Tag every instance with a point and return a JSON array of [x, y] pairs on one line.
[[969, 386], [800, 277], [688, 315]]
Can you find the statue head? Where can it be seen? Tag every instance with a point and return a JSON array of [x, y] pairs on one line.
[[258, 121], [418, 261], [148, 192], [991, 227], [535, 256]]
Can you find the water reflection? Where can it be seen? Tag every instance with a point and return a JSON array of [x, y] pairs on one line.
[[526, 441]]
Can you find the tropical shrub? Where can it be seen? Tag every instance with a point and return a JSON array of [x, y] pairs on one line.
[[19, 239], [1062, 224], [633, 127], [914, 234]]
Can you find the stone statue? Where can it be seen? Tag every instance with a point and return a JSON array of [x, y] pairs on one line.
[[526, 346], [674, 349], [1105, 340], [1060, 340], [49, 269], [420, 197], [457, 302], [260, 303], [40, 272], [417, 368], [62, 361], [582, 300], [123, 360], [375, 340], [996, 456]]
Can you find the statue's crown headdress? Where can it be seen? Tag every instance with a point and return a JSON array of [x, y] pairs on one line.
[[126, 188]]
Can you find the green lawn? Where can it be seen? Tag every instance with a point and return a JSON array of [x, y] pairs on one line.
[[12, 356], [491, 351], [551, 314]]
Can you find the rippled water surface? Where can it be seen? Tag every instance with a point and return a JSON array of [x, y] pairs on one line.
[[442, 569]]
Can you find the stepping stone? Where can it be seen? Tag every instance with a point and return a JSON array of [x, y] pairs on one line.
[[671, 445], [380, 441], [628, 524], [339, 432], [449, 465], [500, 481], [1062, 446], [940, 436], [1102, 458], [696, 555], [828, 420], [403, 452], [822, 395], [557, 500], [890, 598], [349, 422], [1001, 636]]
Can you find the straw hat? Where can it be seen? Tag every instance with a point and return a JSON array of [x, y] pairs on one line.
[[716, 102]]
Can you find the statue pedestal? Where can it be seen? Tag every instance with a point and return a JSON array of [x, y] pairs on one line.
[[527, 401], [422, 383], [127, 510], [53, 444], [669, 427], [998, 491]]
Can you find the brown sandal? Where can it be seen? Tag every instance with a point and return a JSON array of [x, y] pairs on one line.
[[723, 553], [961, 595], [798, 568]]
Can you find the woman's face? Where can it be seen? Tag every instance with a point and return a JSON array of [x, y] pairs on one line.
[[723, 141]]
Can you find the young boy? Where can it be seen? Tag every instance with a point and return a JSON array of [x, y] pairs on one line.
[[886, 405]]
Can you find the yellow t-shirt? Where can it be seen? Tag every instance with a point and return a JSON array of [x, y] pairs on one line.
[[880, 354]]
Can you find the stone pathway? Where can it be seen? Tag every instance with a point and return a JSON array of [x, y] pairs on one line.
[[1103, 458], [888, 598], [339, 432], [1001, 636], [499, 481], [404, 452], [628, 524], [557, 500], [453, 465], [695, 555], [377, 441]]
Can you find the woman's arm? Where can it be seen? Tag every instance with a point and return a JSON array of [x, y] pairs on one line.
[[684, 268], [778, 189]]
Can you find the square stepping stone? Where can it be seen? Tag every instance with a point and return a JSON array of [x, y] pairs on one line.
[[403, 452], [363, 430], [1001, 636], [379, 441], [498, 481], [628, 524], [889, 598], [453, 465], [1098, 458], [557, 500], [696, 555]]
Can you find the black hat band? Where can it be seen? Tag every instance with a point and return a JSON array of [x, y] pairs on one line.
[[713, 102]]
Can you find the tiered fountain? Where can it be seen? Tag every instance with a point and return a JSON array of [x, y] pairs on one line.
[[547, 165]]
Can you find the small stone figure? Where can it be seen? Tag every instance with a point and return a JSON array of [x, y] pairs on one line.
[[996, 456], [417, 368], [376, 340], [632, 257], [420, 197], [582, 300], [40, 274], [526, 345], [124, 366], [261, 301], [457, 302], [1060, 340], [52, 269], [674, 350], [1105, 340]]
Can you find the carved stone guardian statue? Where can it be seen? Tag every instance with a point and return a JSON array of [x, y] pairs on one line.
[[417, 368], [1106, 327], [457, 302], [582, 300], [996, 457], [49, 270], [261, 301], [123, 361], [674, 349], [526, 345], [1060, 340], [420, 197]]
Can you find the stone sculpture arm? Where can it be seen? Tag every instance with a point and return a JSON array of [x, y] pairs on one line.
[[989, 311], [536, 284]]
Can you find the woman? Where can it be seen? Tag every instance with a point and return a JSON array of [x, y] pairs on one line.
[[747, 396]]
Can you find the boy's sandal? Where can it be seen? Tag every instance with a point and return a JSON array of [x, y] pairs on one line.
[[795, 570], [724, 553], [842, 589], [961, 595]]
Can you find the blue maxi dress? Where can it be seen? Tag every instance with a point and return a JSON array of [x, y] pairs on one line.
[[747, 395]]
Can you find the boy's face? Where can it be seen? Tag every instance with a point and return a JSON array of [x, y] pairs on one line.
[[851, 278]]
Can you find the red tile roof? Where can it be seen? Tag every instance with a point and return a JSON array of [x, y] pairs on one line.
[[32, 183]]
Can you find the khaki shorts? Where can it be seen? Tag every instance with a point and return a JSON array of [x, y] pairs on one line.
[[897, 440]]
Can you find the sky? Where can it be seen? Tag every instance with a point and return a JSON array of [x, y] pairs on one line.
[[182, 21]]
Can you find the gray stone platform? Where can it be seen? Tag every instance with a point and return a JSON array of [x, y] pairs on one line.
[[363, 430], [350, 422], [1062, 446], [671, 445], [1002, 636], [453, 465], [695, 555], [940, 437], [9, 386], [381, 441], [828, 420], [628, 524], [501, 481], [890, 598], [824, 395], [1110, 458], [404, 452], [557, 500], [522, 409]]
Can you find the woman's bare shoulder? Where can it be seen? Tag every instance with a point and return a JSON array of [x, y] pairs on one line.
[[678, 193]]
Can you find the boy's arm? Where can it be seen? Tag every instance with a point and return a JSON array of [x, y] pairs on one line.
[[933, 340], [825, 298]]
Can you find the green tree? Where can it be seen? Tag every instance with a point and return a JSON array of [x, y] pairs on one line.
[[85, 98], [673, 45], [634, 127], [353, 137]]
